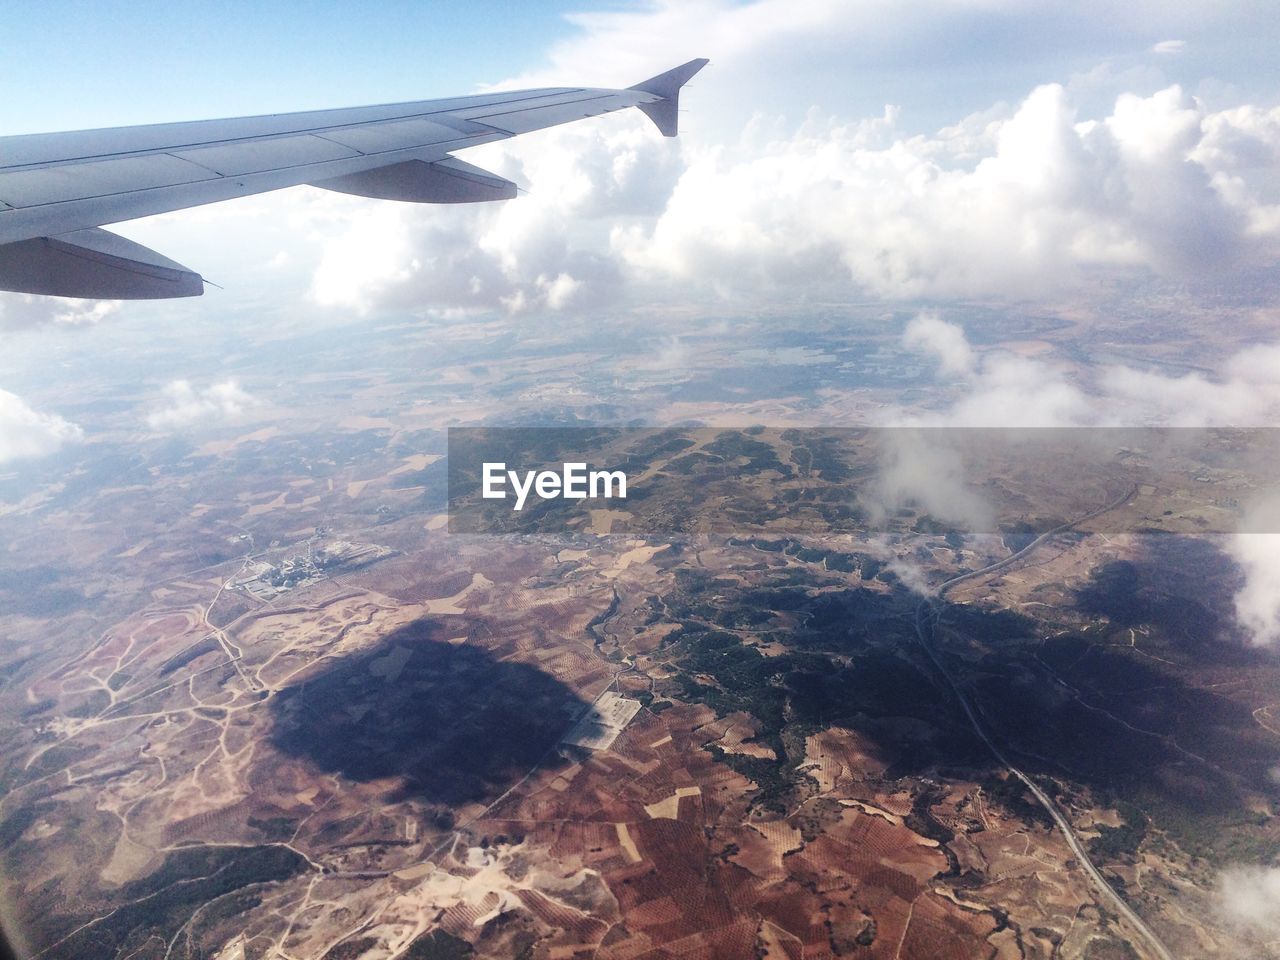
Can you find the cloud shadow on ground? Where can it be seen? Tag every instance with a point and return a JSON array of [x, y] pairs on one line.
[[451, 722]]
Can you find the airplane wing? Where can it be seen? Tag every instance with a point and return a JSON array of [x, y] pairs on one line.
[[58, 189]]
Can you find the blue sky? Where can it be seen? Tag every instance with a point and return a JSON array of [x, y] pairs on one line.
[[74, 65]]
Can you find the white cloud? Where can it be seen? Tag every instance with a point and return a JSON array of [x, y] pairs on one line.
[[1257, 603], [760, 43], [916, 471], [1052, 198], [621, 47], [1001, 389], [945, 341], [1250, 896], [548, 249], [21, 310], [372, 254], [24, 432], [1017, 201], [1170, 46], [1245, 394], [912, 576], [1004, 389], [1192, 400], [1021, 203], [184, 405], [558, 292]]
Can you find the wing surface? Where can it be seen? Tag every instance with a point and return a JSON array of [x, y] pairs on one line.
[[63, 187]]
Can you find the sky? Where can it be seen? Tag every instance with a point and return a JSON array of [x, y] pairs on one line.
[[81, 65], [76, 65]]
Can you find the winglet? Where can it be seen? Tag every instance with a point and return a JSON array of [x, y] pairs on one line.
[[667, 85]]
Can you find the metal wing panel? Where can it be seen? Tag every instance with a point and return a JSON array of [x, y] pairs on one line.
[[54, 148], [167, 167], [51, 197], [52, 219], [31, 188], [255, 156], [548, 112], [394, 134]]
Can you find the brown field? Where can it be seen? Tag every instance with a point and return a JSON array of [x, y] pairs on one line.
[[372, 757]]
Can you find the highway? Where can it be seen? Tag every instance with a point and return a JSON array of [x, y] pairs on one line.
[[926, 616]]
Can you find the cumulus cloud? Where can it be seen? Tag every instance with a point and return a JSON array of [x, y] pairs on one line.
[[912, 576], [373, 253], [754, 42], [546, 250], [1026, 202], [21, 310], [1052, 197], [1250, 896], [945, 341], [1018, 201], [184, 405], [25, 432], [916, 471], [929, 469], [1006, 389], [1194, 399], [1257, 603], [1002, 389]]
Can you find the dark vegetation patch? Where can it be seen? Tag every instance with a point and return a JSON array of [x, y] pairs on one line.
[[438, 945], [38, 592], [351, 949], [17, 823], [56, 758], [695, 462], [759, 456], [94, 702], [820, 453], [1012, 794], [1173, 753], [154, 908], [1122, 841], [198, 649], [1181, 588], [837, 560], [275, 829], [839, 671]]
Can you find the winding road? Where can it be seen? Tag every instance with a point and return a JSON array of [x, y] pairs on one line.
[[926, 616]]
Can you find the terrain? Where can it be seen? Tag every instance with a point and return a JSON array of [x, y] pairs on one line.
[[258, 701]]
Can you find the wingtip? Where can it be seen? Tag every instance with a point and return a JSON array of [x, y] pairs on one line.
[[663, 112], [667, 85]]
